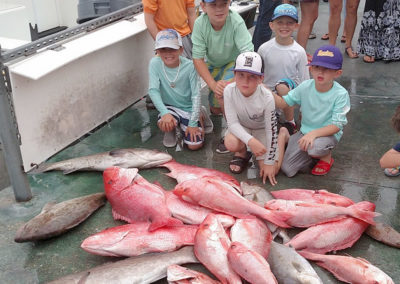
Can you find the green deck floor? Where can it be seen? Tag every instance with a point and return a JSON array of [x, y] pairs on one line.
[[374, 91]]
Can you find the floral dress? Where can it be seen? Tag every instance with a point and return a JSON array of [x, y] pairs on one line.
[[380, 30]]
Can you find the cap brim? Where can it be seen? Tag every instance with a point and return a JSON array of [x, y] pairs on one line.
[[325, 64], [167, 46], [278, 16], [249, 71]]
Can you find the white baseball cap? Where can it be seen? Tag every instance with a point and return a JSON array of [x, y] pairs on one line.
[[250, 62], [168, 38]]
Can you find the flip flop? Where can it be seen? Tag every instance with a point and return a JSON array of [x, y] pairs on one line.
[[241, 162], [325, 37], [389, 172], [322, 168], [355, 54], [370, 60]]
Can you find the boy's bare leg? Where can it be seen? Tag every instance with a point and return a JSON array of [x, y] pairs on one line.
[[233, 144], [283, 138], [309, 13]]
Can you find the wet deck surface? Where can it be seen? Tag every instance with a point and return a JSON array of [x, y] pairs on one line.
[[374, 91]]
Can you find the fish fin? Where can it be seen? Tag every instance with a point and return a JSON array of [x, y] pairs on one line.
[[117, 216], [164, 222], [66, 172], [277, 217], [366, 216], [117, 153], [363, 260]]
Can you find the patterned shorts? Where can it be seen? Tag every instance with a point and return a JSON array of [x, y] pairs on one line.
[[220, 73]]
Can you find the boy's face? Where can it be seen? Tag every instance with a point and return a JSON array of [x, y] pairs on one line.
[[170, 56], [247, 82], [324, 77], [283, 26], [217, 12]]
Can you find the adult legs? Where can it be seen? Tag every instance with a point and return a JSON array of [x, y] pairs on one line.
[[309, 13], [350, 23], [262, 31], [335, 9]]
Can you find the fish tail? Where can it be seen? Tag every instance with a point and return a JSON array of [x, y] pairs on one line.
[[164, 222], [366, 216], [45, 167], [278, 218]]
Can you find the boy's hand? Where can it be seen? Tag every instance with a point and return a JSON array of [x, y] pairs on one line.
[[219, 87], [307, 141], [167, 123], [194, 132], [268, 171], [257, 147]]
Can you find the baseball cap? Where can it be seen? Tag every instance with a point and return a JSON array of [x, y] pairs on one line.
[[285, 10], [328, 56], [168, 38], [250, 62], [209, 1]]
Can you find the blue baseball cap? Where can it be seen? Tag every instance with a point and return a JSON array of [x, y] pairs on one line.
[[285, 10], [328, 56], [209, 1]]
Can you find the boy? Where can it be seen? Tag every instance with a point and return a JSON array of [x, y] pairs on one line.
[[324, 104], [174, 90], [250, 113], [391, 159], [178, 15], [284, 58], [219, 36]]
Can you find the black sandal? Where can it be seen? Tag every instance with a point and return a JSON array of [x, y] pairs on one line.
[[241, 162]]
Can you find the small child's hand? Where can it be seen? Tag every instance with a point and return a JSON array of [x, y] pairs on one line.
[[306, 141], [193, 132], [219, 88], [257, 147], [268, 171], [167, 123]]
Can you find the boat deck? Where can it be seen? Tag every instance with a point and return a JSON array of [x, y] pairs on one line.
[[374, 91]]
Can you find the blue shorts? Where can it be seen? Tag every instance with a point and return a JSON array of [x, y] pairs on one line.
[[182, 118]]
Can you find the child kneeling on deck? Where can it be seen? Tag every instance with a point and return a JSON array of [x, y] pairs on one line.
[[324, 104], [175, 92], [251, 118]]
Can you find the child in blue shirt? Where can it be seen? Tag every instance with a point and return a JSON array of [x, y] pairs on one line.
[[324, 104], [174, 90]]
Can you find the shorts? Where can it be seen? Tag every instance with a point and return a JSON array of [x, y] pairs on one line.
[[295, 159], [260, 135], [182, 117], [220, 73]]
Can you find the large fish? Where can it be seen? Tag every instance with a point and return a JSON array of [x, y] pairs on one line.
[[306, 214], [134, 199], [177, 274], [182, 172], [211, 246], [349, 269], [332, 236], [253, 233], [249, 264], [289, 267], [124, 158], [56, 219], [260, 195], [134, 270], [135, 239], [385, 234], [318, 196], [216, 195]]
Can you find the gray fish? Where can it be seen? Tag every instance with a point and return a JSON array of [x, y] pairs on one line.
[[134, 270], [56, 219], [289, 267], [260, 195], [123, 158], [385, 234]]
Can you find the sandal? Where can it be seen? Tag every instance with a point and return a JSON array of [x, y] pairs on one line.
[[353, 54], [368, 59], [392, 172], [322, 168], [325, 37], [241, 162]]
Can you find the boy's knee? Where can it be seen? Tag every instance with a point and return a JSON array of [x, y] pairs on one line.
[[195, 147], [288, 170], [215, 110]]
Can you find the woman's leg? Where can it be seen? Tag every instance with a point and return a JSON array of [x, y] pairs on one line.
[[309, 13], [350, 24], [335, 9]]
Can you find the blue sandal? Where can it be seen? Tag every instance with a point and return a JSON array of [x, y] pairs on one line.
[[389, 172]]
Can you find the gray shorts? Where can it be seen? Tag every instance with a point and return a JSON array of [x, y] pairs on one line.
[[187, 46], [296, 160]]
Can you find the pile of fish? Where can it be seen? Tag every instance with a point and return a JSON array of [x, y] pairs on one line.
[[226, 226]]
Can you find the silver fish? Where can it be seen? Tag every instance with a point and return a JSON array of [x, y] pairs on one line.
[[123, 158], [260, 195], [289, 267], [134, 270], [56, 219], [385, 234]]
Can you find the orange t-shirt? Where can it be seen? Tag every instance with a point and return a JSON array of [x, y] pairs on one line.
[[170, 14]]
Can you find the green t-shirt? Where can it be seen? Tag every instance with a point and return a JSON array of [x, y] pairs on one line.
[[223, 46]]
